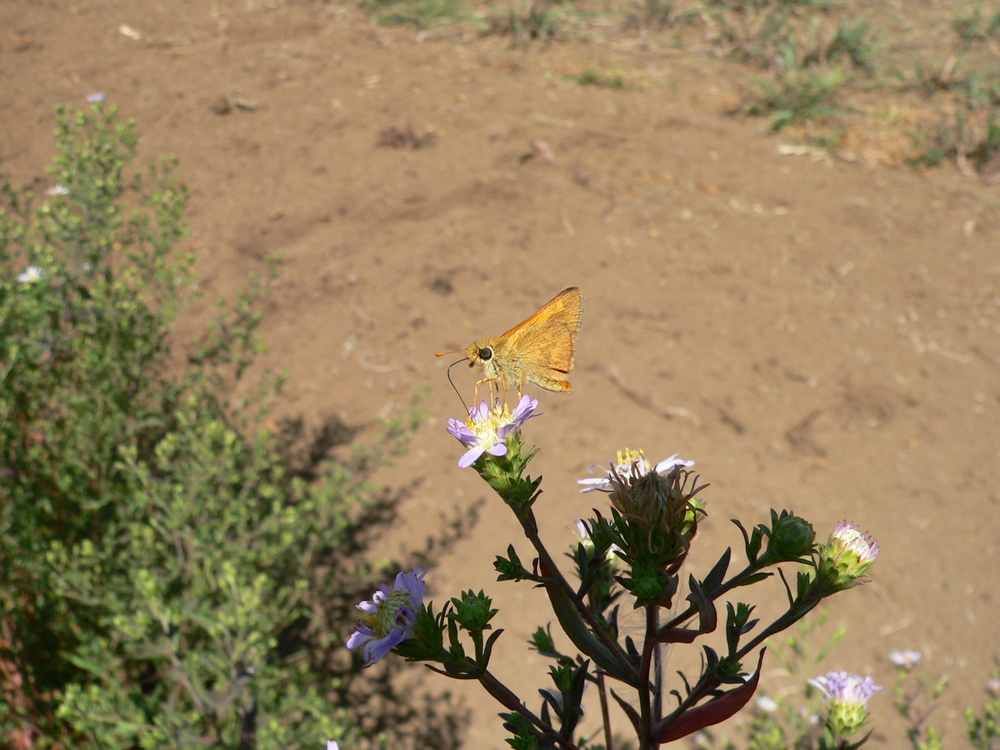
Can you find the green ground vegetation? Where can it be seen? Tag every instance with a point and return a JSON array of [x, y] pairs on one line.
[[171, 574]]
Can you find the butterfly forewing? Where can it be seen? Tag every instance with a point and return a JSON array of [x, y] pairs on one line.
[[566, 306]]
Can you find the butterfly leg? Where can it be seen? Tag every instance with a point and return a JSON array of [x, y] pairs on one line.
[[520, 389], [475, 396]]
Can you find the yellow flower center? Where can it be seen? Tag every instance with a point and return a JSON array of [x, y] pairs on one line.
[[629, 457], [487, 429], [386, 618]]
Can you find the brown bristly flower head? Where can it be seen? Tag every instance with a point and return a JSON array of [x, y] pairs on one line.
[[659, 514]]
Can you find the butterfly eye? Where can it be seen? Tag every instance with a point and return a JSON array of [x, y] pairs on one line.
[[486, 354]]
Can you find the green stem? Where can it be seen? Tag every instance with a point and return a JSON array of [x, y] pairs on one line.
[[511, 702], [645, 705], [605, 713], [531, 532], [795, 612], [691, 611], [477, 639]]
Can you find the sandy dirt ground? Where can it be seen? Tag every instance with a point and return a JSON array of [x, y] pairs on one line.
[[817, 334]]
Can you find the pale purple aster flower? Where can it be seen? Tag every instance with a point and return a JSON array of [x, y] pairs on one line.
[[524, 411], [906, 659], [845, 688], [845, 558], [33, 274], [626, 460], [849, 538], [486, 430], [391, 615], [57, 190], [96, 98], [846, 696], [332, 745]]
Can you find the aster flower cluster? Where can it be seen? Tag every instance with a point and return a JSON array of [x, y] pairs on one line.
[[846, 558], [631, 462], [632, 551], [906, 659], [31, 275], [389, 616], [654, 518], [488, 428], [846, 699]]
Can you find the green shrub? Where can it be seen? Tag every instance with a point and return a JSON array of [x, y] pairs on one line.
[[423, 14], [976, 23], [594, 77], [167, 571], [529, 20], [795, 94]]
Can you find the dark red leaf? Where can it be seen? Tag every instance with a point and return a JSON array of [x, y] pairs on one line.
[[716, 710]]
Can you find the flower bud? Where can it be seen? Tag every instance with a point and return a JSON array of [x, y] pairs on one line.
[[845, 559], [791, 537], [649, 588], [473, 611], [659, 518]]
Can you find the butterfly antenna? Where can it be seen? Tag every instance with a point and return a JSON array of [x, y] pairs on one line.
[[453, 382]]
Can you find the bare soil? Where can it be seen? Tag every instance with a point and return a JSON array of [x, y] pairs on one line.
[[818, 334]]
